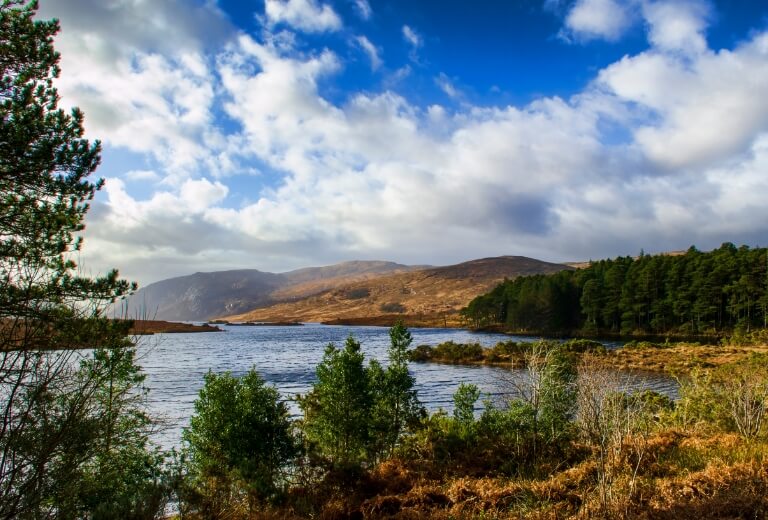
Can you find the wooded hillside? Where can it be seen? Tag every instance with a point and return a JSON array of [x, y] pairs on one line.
[[693, 293]]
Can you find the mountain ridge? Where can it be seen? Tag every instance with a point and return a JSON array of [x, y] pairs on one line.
[[357, 289], [204, 295], [431, 295]]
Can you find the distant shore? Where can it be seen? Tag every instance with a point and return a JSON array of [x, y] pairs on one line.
[[670, 358], [149, 327], [447, 321], [256, 323]]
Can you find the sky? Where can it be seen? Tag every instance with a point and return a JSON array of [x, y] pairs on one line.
[[280, 134]]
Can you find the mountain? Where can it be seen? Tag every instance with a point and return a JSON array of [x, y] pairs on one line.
[[202, 296], [427, 295]]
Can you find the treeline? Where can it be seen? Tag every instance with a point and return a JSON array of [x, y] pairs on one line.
[[695, 293]]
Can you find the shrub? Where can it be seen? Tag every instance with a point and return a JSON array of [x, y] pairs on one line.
[[240, 440], [357, 294], [421, 353], [581, 346], [337, 412], [395, 308], [733, 397], [457, 352]]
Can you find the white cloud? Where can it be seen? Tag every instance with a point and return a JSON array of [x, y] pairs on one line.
[[364, 8], [672, 25], [376, 176], [593, 19], [142, 175], [677, 25], [306, 15], [413, 38], [140, 92], [371, 50], [703, 112], [447, 86]]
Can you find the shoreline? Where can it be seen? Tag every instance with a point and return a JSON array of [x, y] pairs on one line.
[[672, 359], [150, 327]]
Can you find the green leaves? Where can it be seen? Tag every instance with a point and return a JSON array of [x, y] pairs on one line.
[[689, 294], [338, 410], [65, 426], [356, 413], [464, 400], [241, 431]]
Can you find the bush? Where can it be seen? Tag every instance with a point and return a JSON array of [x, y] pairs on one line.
[[395, 308], [507, 351], [357, 294], [451, 352], [580, 346], [734, 397], [240, 440], [337, 412], [421, 353]]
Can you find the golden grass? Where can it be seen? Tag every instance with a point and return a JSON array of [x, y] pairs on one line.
[[682, 475], [676, 358]]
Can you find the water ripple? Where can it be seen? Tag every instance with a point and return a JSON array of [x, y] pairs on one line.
[[287, 356]]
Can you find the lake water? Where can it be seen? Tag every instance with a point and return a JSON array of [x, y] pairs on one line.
[[287, 356]]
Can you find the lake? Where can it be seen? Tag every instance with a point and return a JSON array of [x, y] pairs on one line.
[[287, 356]]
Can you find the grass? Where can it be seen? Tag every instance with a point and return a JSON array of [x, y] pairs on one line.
[[672, 358]]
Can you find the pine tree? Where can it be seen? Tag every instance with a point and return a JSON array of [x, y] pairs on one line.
[[396, 404], [337, 412], [55, 422]]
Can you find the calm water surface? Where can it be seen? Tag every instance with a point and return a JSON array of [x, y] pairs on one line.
[[287, 356]]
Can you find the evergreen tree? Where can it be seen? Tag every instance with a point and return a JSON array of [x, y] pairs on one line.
[[62, 423], [337, 412], [240, 433], [396, 404], [724, 290]]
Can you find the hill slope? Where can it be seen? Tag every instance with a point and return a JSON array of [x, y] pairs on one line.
[[435, 295], [202, 296]]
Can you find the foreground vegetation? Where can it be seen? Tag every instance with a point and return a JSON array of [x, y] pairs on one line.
[[716, 293], [568, 442]]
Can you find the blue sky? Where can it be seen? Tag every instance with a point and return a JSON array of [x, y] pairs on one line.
[[280, 134]]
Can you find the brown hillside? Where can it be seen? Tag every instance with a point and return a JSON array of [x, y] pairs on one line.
[[428, 296]]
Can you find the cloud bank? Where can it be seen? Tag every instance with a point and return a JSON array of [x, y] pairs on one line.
[[254, 166]]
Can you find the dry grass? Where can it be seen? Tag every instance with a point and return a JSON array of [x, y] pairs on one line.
[[682, 476], [677, 358], [430, 296], [673, 358], [731, 483]]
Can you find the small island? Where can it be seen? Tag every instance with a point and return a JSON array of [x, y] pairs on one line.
[[257, 323], [149, 327]]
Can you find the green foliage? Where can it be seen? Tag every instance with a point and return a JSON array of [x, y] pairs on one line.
[[581, 346], [458, 352], [733, 397], [513, 439], [558, 394], [396, 405], [240, 439], [725, 290], [338, 410], [87, 430], [355, 413], [72, 432], [464, 400], [421, 353]]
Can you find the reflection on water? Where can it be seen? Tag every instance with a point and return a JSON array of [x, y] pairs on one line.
[[286, 357]]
